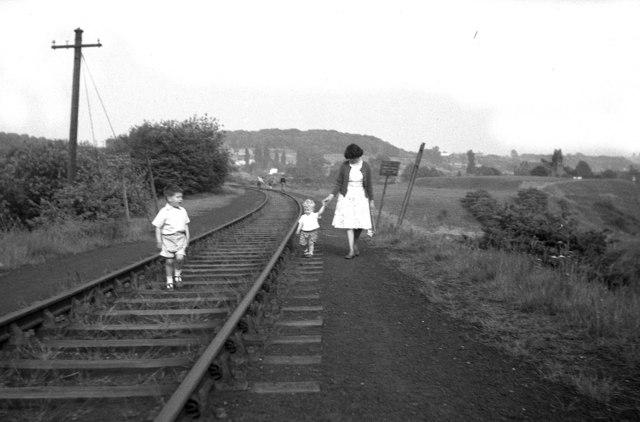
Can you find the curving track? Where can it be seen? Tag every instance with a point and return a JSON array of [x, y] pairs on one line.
[[122, 348]]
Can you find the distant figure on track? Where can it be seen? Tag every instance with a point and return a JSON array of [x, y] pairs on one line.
[[260, 182], [283, 182], [172, 235], [355, 199], [308, 226]]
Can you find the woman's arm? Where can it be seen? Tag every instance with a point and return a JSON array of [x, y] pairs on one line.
[[337, 186]]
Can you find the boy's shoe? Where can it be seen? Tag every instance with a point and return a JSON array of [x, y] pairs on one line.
[[170, 286], [178, 280], [308, 254]]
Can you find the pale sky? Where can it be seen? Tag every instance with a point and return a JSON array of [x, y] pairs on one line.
[[492, 76]]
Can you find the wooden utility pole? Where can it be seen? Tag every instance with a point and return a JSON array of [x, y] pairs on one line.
[[414, 174], [75, 98]]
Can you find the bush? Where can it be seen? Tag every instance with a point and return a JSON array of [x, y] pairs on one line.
[[526, 225], [31, 174], [541, 171], [487, 171], [189, 154], [33, 187]]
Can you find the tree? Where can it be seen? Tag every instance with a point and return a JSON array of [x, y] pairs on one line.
[[247, 156], [556, 163], [523, 169], [188, 153], [471, 162], [514, 154], [432, 156], [583, 170], [609, 174], [310, 164], [487, 171], [541, 170]]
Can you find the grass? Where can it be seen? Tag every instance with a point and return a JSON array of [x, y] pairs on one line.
[[577, 332], [72, 237], [46, 243]]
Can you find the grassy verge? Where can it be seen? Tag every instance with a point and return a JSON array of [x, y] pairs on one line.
[[23, 247], [575, 332]]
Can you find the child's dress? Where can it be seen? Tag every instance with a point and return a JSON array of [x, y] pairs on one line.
[[352, 210]]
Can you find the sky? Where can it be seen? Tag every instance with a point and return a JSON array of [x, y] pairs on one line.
[[491, 76]]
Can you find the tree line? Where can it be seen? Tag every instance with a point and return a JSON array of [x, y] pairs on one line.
[[34, 190]]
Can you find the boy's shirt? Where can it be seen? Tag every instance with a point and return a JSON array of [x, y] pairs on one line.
[[171, 219], [309, 222]]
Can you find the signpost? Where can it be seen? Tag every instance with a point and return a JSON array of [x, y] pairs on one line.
[[387, 168]]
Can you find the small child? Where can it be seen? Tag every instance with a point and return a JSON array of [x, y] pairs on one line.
[[172, 235], [308, 226]]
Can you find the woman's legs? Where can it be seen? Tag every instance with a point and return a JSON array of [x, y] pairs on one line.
[[356, 236], [350, 238]]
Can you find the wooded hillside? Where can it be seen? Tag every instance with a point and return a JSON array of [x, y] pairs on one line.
[[324, 141]]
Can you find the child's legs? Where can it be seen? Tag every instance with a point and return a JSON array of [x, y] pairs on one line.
[[311, 243], [177, 266], [168, 267]]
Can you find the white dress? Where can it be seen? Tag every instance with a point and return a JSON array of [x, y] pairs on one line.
[[352, 209]]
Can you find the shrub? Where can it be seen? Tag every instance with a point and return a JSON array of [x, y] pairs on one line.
[[541, 171], [526, 225], [188, 153], [487, 171], [33, 187]]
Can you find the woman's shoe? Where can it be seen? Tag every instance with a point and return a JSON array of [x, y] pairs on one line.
[[349, 256]]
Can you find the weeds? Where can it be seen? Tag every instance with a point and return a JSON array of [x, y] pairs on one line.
[[45, 243], [574, 329]]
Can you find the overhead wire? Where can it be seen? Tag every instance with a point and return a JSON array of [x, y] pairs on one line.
[[99, 96], [86, 91]]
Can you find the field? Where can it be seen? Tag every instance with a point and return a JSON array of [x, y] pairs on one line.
[[578, 333], [435, 202]]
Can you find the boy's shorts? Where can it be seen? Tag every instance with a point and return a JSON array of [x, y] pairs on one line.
[[174, 244], [308, 237]]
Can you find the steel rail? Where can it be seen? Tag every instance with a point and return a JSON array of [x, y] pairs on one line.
[[192, 381], [35, 315]]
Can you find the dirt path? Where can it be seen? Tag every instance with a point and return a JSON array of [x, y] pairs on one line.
[[390, 355], [28, 284]]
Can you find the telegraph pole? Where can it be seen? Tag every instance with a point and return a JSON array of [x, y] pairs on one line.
[[75, 98]]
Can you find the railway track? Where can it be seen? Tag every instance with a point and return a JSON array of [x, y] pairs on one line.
[[123, 348]]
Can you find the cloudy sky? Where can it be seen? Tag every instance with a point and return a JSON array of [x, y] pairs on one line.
[[492, 76]]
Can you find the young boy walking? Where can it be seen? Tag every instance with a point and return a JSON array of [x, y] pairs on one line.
[[308, 226], [172, 235]]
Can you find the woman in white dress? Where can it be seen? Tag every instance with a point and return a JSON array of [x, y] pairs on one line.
[[355, 198]]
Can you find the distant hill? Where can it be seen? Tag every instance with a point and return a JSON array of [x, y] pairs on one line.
[[323, 141]]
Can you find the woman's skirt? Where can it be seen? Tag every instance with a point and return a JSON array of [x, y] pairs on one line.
[[352, 210]]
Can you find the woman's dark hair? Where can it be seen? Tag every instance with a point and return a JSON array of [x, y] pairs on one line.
[[353, 151]]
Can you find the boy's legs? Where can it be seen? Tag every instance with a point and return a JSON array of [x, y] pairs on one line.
[[177, 269], [168, 269]]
